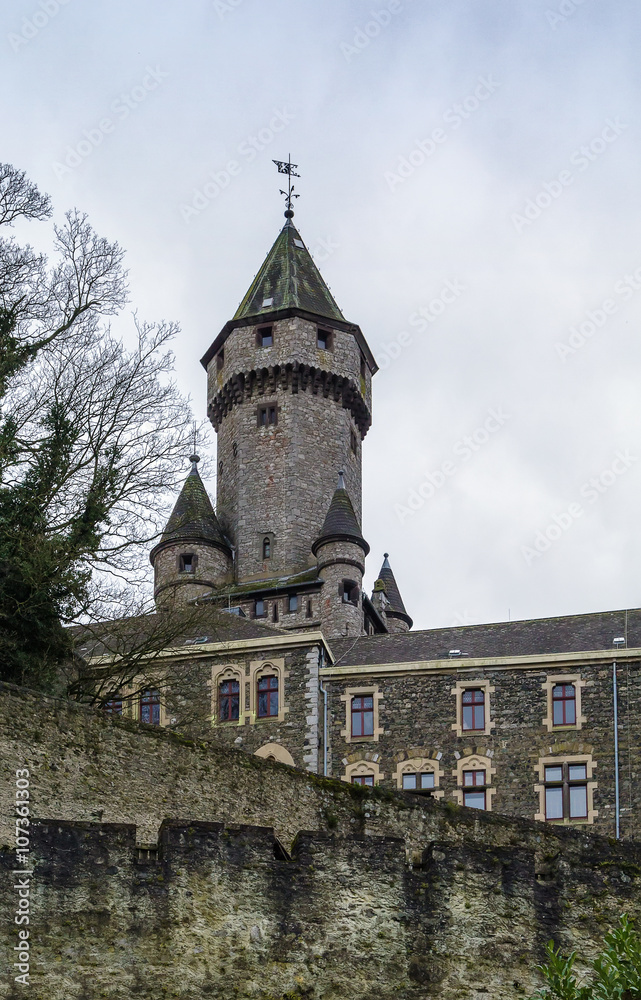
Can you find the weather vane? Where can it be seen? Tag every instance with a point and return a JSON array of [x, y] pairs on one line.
[[288, 168]]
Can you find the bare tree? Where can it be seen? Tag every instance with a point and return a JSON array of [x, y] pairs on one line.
[[92, 437]]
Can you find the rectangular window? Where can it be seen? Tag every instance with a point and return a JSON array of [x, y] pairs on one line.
[[564, 705], [267, 697], [259, 609], [473, 707], [566, 791], [474, 800], [363, 715], [473, 778], [187, 562], [113, 706], [324, 340], [419, 782], [353, 442], [267, 416], [220, 360], [363, 779], [265, 336], [150, 707], [292, 604], [229, 701]]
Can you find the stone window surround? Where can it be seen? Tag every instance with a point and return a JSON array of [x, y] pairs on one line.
[[267, 406], [262, 668], [371, 691], [475, 685], [360, 768], [420, 765], [550, 681], [227, 672], [131, 704], [575, 758], [475, 762], [276, 751]]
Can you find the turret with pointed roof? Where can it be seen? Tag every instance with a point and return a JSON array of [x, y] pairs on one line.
[[193, 556], [388, 601], [341, 549]]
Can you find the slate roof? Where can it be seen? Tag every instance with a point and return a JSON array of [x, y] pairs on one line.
[[340, 523], [289, 279], [392, 592], [170, 629], [193, 516], [570, 634]]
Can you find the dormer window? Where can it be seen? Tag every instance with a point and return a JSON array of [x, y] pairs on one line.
[[265, 336], [324, 340], [267, 548], [187, 562]]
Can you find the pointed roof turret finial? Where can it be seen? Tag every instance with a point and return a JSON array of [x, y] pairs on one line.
[[288, 168], [340, 523], [387, 583]]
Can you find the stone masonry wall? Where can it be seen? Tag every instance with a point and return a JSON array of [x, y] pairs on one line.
[[279, 480], [417, 717], [335, 913]]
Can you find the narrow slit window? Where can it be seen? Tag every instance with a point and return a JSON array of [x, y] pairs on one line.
[[267, 548]]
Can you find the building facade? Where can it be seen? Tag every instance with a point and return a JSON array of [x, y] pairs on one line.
[[538, 719]]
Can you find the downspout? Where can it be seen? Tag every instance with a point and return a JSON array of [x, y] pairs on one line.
[[615, 699], [321, 659]]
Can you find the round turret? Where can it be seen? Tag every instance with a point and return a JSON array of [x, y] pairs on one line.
[[193, 556]]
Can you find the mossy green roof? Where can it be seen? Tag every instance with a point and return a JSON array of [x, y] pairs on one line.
[[289, 279], [193, 516]]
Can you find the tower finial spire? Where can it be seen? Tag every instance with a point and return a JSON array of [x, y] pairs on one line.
[[288, 168], [194, 458]]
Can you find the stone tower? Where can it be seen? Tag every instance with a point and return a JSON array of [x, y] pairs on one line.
[[193, 556], [341, 549], [289, 395]]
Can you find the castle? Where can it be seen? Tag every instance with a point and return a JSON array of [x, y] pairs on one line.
[[538, 719], [218, 859]]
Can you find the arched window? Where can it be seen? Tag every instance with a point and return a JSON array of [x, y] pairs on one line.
[[267, 547], [150, 707], [267, 691], [228, 700]]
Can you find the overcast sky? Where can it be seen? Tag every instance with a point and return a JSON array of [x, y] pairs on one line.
[[470, 189]]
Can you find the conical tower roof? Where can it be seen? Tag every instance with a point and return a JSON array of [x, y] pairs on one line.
[[289, 279], [340, 523], [390, 587], [193, 517]]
